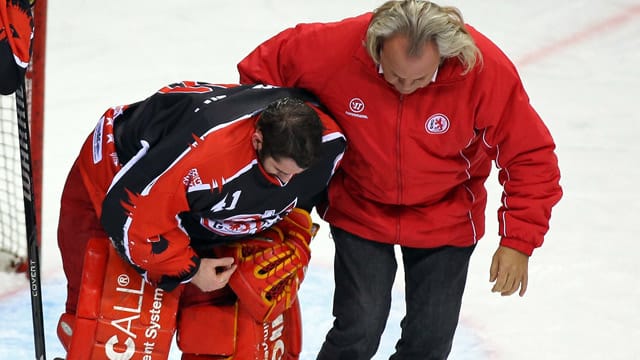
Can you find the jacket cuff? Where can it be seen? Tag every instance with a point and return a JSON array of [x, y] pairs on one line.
[[519, 245]]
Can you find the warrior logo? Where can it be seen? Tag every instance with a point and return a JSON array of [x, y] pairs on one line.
[[437, 124], [356, 105]]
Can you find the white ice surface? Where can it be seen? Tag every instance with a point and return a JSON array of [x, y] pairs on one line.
[[579, 62]]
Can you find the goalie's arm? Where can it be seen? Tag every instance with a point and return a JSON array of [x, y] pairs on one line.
[[146, 231]]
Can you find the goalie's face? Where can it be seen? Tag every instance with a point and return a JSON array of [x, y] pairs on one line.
[[282, 169]]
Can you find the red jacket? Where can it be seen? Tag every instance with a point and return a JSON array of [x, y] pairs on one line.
[[415, 166]]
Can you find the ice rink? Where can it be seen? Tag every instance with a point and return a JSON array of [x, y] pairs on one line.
[[580, 63]]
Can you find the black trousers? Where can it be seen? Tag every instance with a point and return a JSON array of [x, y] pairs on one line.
[[364, 274]]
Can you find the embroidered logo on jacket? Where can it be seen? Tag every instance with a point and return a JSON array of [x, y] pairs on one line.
[[437, 124], [356, 106]]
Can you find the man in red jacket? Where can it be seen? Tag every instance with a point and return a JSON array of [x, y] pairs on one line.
[[427, 103]]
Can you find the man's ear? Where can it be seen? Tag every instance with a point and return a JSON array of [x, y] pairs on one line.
[[256, 140]]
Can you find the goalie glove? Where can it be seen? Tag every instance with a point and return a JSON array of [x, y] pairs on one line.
[[271, 265]]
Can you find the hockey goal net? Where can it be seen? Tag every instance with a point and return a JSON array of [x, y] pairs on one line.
[[13, 243]]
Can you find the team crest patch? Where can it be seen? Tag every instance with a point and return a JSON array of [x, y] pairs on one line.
[[437, 124]]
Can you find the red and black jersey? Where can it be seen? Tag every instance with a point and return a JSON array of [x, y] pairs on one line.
[[16, 34], [186, 176]]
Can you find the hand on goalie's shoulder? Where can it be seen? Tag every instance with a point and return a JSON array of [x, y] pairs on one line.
[[213, 274]]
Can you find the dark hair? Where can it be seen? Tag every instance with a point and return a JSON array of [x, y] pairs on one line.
[[291, 129]]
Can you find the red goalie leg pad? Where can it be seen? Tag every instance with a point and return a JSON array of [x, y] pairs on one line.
[[65, 329], [119, 315], [279, 339], [221, 330], [207, 321], [282, 337]]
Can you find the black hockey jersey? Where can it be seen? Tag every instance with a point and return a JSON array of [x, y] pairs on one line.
[[189, 177]]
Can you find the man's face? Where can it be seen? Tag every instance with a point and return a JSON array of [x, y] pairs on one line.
[[408, 74], [283, 169]]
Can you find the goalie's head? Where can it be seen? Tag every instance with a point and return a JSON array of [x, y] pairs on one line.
[[288, 138]]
